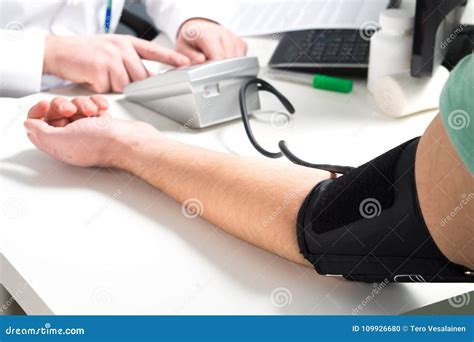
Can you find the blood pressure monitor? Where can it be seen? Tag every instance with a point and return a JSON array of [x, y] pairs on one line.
[[200, 95]]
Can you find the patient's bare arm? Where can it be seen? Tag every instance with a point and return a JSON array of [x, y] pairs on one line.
[[446, 194], [256, 200]]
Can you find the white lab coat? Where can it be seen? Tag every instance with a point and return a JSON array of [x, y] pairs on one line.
[[24, 24]]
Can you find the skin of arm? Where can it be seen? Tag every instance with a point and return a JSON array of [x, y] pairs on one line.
[[256, 200], [446, 194]]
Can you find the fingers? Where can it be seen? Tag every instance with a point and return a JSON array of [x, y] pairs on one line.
[[228, 47], [151, 51], [60, 108], [118, 77], [61, 111], [233, 46], [120, 62], [209, 38], [85, 106], [41, 134], [89, 106], [39, 110], [55, 113], [211, 46], [194, 55], [60, 122], [101, 83], [100, 102], [240, 47], [135, 68]]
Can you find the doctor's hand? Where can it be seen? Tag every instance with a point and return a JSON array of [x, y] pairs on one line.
[[202, 40], [81, 132], [104, 63]]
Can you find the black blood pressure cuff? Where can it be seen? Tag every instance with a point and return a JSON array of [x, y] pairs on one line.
[[367, 225]]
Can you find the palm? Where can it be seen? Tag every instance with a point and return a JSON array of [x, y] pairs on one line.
[[88, 127], [83, 141], [71, 132]]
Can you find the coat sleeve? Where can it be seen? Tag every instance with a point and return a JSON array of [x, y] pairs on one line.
[[21, 62], [169, 15]]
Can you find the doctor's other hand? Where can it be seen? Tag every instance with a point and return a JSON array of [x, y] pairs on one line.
[[202, 39], [81, 132], [104, 63]]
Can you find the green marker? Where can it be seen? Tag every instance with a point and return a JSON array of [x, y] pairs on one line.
[[332, 83], [317, 81]]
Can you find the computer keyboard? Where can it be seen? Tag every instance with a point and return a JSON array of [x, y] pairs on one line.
[[337, 51]]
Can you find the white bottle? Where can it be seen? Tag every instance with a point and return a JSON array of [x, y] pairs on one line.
[[391, 46]]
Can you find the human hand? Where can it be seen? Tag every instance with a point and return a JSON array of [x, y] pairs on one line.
[[81, 132], [104, 63], [201, 40]]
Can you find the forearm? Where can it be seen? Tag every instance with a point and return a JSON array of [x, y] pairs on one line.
[[256, 200]]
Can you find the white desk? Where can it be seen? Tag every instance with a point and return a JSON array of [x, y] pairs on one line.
[[91, 241]]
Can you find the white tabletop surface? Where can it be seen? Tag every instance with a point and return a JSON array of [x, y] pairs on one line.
[[100, 241]]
